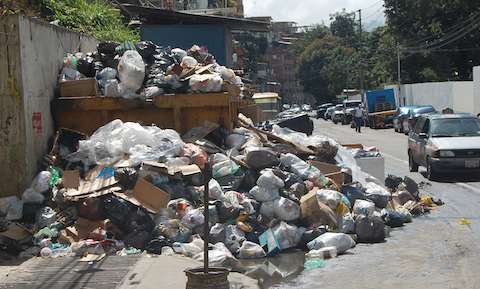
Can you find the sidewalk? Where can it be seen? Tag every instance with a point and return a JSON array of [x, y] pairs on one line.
[[158, 272]]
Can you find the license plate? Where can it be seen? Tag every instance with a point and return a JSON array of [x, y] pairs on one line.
[[472, 164]]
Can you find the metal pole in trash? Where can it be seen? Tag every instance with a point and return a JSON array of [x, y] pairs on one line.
[[207, 175]]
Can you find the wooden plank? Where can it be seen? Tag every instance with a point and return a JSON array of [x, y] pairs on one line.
[[98, 103]]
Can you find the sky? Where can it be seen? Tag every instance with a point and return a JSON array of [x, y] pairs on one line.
[[307, 12]]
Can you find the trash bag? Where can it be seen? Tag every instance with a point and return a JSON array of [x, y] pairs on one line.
[[41, 181], [234, 238], [196, 154], [286, 210], [269, 180], [223, 166], [259, 159], [262, 194], [188, 62], [146, 49], [393, 219], [193, 248], [86, 66], [137, 239], [131, 70], [206, 83], [219, 256], [127, 177], [341, 241], [155, 245], [301, 168], [235, 140], [107, 47], [353, 193], [268, 209], [322, 253], [45, 217], [348, 224], [362, 207], [11, 208], [215, 191], [193, 219], [117, 210], [298, 189], [377, 194], [369, 229], [250, 250], [311, 235], [288, 236], [217, 233], [105, 75], [31, 196], [330, 198]]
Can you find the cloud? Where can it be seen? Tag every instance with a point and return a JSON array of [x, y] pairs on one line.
[[308, 12]]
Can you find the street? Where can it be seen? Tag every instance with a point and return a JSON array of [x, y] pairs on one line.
[[435, 251]]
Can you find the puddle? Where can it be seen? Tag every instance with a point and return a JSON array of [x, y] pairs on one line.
[[274, 270]]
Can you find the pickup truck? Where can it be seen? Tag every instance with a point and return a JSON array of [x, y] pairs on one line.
[[381, 108]]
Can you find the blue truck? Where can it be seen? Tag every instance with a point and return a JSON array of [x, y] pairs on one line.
[[381, 107]]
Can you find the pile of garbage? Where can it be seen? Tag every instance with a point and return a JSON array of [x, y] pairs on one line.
[[146, 70], [129, 189]]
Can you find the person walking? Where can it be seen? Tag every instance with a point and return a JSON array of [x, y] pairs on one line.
[[358, 118]]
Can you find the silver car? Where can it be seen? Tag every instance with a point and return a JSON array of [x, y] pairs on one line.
[[445, 143]]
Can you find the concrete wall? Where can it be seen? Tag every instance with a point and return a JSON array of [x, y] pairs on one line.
[[458, 95], [37, 50], [476, 89]]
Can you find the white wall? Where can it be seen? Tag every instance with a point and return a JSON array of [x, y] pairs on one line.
[[476, 89], [43, 47], [458, 95], [31, 56]]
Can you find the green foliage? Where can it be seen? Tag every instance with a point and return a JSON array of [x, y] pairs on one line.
[[345, 27], [95, 17], [324, 67], [416, 23], [312, 34], [254, 47]]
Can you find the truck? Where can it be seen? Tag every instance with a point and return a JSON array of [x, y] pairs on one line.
[[381, 107]]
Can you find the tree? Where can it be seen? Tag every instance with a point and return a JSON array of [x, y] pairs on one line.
[[423, 27], [324, 67], [344, 26]]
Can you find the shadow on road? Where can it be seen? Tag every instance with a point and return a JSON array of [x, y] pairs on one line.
[[455, 177]]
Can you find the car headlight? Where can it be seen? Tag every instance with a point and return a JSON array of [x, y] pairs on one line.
[[447, 154]]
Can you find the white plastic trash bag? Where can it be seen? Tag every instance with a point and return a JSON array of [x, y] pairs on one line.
[[262, 194], [377, 194], [270, 181], [362, 207], [215, 191], [206, 83], [348, 224], [12, 208], [131, 70], [267, 209], [330, 198], [40, 183], [250, 250], [341, 241], [234, 238], [286, 210], [30, 196], [287, 235]]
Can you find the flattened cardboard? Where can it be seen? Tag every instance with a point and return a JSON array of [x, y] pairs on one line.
[[71, 179], [94, 182], [149, 196], [315, 212], [82, 228], [330, 171], [16, 232]]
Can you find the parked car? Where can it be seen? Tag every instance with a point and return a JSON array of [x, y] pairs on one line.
[[349, 107], [445, 143], [402, 114], [337, 114], [330, 110], [322, 109], [409, 123]]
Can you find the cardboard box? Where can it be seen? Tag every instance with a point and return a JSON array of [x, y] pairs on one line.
[[315, 212], [330, 171], [78, 88], [269, 242], [149, 196]]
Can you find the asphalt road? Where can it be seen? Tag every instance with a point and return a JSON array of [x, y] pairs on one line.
[[433, 252]]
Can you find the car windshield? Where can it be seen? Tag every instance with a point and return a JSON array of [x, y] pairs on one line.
[[422, 110], [455, 127]]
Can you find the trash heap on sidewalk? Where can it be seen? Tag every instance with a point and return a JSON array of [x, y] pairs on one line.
[[143, 70], [127, 189]]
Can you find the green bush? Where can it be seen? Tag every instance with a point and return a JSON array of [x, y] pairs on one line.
[[95, 17]]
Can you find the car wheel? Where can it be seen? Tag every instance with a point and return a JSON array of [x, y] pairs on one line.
[[412, 165], [431, 173]]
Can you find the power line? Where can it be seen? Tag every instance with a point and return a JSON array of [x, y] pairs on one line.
[[451, 30]]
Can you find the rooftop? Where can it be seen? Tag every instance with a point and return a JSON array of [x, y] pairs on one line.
[[169, 17]]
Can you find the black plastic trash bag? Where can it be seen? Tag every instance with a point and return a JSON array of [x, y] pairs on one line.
[[369, 229]]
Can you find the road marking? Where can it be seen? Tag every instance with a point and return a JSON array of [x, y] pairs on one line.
[[393, 157]]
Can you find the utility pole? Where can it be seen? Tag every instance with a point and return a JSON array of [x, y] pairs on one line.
[[362, 73], [399, 72]]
